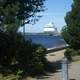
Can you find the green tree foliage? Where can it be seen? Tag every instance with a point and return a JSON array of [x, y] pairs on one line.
[[14, 50], [32, 59], [12, 15], [14, 12], [73, 25], [9, 45], [21, 55], [4, 44], [65, 34]]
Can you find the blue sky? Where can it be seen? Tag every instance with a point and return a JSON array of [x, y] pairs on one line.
[[56, 11]]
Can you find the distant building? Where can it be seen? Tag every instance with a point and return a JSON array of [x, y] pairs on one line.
[[50, 29]]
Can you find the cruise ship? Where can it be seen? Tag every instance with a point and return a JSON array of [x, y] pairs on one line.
[[50, 29]]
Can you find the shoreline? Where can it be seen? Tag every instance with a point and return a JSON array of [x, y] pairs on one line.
[[54, 49]]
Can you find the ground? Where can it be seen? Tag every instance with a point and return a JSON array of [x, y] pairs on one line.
[[56, 58]]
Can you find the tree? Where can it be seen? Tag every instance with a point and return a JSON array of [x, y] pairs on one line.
[[13, 46], [73, 25], [65, 34], [14, 12]]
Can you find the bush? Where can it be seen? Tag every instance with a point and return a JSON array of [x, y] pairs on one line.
[[32, 58], [23, 55], [39, 60], [78, 52], [5, 48], [69, 53]]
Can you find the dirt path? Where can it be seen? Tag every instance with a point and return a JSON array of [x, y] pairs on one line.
[[74, 70], [56, 57]]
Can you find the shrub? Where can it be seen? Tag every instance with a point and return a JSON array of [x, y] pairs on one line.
[[32, 58], [39, 60], [78, 52], [27, 56], [69, 53], [5, 48]]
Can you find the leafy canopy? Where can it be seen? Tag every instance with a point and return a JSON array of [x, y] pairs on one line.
[[73, 25], [14, 12]]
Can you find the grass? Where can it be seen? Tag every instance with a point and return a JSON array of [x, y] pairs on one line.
[[8, 77]]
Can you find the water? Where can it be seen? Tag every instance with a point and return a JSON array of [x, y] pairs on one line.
[[47, 41]]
